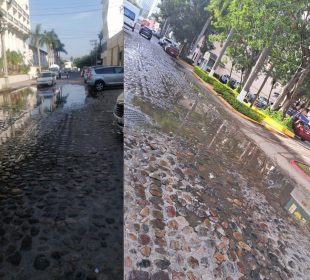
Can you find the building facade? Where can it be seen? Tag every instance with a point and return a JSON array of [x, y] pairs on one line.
[[35, 60], [154, 8], [113, 37], [16, 14]]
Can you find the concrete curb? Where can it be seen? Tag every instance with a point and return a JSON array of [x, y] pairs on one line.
[[294, 163]]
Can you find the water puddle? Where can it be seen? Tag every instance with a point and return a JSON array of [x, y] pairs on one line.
[[16, 108]]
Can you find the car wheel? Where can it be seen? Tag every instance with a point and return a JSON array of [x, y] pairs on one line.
[[99, 85]]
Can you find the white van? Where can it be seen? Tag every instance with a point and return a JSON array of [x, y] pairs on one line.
[[131, 15]]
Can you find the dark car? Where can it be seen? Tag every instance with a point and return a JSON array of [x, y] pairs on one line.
[[172, 50], [261, 102], [226, 79], [146, 32]]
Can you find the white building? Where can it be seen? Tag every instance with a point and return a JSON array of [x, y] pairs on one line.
[[113, 37], [16, 14], [154, 8], [148, 6]]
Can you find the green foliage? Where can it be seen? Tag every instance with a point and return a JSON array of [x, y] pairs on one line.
[[229, 95], [85, 60], [15, 63], [278, 117], [186, 18], [213, 81]]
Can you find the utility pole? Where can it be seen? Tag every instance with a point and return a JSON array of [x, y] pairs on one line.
[[93, 43], [3, 28]]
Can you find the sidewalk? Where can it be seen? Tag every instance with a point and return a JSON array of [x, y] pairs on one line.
[[19, 85]]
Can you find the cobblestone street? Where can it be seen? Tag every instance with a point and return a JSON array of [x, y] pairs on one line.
[[61, 192], [202, 201]]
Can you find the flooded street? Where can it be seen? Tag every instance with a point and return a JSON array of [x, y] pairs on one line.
[[61, 184], [202, 200]]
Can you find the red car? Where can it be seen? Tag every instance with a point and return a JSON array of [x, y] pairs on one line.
[[172, 50], [302, 130]]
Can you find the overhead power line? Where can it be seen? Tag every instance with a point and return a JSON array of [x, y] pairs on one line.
[[68, 13]]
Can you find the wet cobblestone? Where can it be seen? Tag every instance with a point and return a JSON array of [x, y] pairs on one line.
[[212, 203], [61, 196]]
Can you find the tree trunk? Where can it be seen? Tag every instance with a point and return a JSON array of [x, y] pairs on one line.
[[202, 32], [39, 58], [261, 87], [288, 102], [218, 60], [231, 69], [272, 86], [241, 77], [297, 80], [256, 69]]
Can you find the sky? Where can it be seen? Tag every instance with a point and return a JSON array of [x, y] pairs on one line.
[[76, 22]]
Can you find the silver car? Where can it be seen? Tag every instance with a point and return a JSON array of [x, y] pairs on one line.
[[104, 76]]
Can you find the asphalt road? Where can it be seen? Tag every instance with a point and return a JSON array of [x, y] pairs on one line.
[[61, 187]]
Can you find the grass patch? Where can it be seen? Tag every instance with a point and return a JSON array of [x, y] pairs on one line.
[[304, 167]]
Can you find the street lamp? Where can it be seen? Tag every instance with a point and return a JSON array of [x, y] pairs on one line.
[[3, 28]]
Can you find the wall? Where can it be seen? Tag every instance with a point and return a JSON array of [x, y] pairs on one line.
[[15, 79]]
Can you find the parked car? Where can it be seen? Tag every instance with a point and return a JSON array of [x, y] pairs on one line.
[[46, 78], [172, 50], [165, 41], [118, 112], [249, 97], [226, 79], [302, 130], [295, 114], [261, 102], [146, 32], [156, 34], [276, 94], [64, 73], [55, 69], [104, 76]]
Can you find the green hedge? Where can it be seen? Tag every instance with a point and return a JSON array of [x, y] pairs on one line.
[[229, 95], [213, 81], [278, 117]]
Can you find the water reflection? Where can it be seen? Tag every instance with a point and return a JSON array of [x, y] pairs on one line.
[[17, 107]]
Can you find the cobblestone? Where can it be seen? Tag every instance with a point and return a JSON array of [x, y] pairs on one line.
[[225, 226], [61, 195]]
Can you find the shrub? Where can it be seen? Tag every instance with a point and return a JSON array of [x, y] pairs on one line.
[[278, 117], [240, 107], [229, 95]]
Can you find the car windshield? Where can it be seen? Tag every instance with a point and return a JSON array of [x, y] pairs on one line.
[[46, 75], [129, 14]]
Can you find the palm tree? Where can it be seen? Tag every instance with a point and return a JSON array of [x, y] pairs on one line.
[[50, 38], [60, 47], [37, 41]]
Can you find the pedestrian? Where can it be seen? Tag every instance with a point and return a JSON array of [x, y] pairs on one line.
[[308, 114]]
